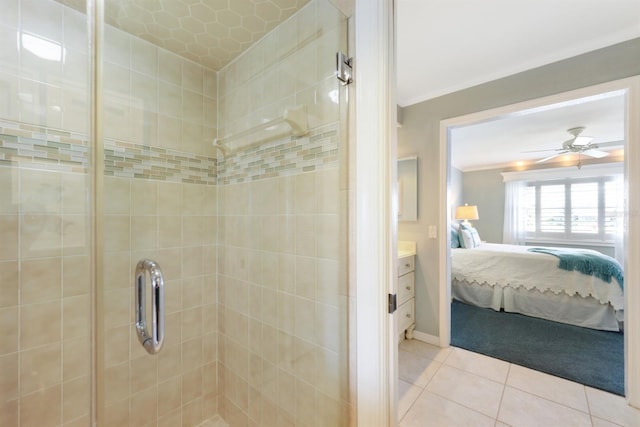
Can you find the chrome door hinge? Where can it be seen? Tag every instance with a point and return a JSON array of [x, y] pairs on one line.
[[393, 303], [344, 68]]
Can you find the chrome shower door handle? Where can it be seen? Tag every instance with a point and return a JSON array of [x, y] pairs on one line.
[[152, 343]]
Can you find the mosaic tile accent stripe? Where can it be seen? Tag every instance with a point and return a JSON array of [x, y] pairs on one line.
[[50, 149], [286, 156], [128, 160], [43, 148]]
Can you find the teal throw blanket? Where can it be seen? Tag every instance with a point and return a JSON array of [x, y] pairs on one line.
[[586, 262]]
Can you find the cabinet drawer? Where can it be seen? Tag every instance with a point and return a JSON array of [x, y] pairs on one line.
[[406, 265], [405, 287], [405, 315]]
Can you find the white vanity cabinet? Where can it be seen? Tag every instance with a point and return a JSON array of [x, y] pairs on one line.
[[406, 291]]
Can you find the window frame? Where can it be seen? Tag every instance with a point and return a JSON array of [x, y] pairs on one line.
[[567, 235]]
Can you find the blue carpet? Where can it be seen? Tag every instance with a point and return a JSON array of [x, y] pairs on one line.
[[587, 356]]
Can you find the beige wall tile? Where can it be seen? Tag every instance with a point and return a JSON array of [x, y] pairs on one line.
[[9, 194], [192, 413], [40, 324], [76, 398], [119, 270], [40, 192], [144, 57], [144, 233], [169, 67], [117, 307], [8, 283], [116, 345], [74, 193], [173, 329], [169, 132], [40, 368], [40, 236], [9, 374], [170, 198], [144, 197], [170, 100], [192, 261], [169, 395], [41, 280], [116, 383], [76, 313], [192, 353], [118, 191], [117, 413], [75, 358], [75, 234], [117, 237], [42, 407], [192, 385], [192, 323], [145, 402], [9, 412], [143, 373]]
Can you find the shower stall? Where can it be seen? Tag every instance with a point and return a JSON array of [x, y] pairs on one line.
[[205, 140]]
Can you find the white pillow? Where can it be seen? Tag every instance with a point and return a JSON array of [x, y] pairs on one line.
[[466, 238], [469, 237], [476, 238]]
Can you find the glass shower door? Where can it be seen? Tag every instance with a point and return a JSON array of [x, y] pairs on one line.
[[159, 204], [45, 170]]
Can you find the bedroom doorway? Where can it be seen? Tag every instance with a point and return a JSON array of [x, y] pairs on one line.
[[628, 89]]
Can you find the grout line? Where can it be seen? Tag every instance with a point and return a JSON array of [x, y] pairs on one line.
[[504, 389]]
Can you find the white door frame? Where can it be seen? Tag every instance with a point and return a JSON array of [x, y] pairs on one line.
[[374, 231], [631, 87]]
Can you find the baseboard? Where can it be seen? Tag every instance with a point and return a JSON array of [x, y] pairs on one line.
[[429, 339]]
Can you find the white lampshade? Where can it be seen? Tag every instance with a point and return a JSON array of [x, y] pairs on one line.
[[467, 212]]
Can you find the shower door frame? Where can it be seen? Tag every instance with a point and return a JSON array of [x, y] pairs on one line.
[[375, 221]]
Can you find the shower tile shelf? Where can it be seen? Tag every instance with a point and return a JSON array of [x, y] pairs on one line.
[[293, 122]]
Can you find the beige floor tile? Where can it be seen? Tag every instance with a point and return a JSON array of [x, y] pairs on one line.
[[549, 387], [425, 350], [597, 422], [520, 409], [501, 424], [415, 369], [432, 410], [479, 364], [612, 408], [472, 391], [407, 394]]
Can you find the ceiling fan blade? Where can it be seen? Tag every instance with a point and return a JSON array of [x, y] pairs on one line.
[[582, 141], [551, 157], [610, 144], [598, 154], [540, 151]]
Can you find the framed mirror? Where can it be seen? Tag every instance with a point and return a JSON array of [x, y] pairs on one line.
[[408, 188]]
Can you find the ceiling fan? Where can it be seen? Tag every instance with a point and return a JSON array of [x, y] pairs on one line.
[[577, 144]]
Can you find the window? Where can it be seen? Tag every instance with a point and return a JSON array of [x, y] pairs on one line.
[[573, 209]]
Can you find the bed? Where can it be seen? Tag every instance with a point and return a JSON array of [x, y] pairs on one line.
[[517, 279]]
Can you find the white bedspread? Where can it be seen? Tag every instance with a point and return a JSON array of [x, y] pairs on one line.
[[515, 267]]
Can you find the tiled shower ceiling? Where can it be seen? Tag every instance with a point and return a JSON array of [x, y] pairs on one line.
[[210, 32]]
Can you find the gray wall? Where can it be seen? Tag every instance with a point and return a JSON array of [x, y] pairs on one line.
[[486, 190], [420, 135], [456, 192]]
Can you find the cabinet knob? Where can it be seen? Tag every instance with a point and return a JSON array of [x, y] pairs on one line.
[[408, 316], [407, 265], [408, 288]]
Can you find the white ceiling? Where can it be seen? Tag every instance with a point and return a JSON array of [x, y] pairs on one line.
[[449, 45], [502, 142]]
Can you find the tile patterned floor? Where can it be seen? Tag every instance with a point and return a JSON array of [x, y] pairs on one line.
[[455, 387]]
